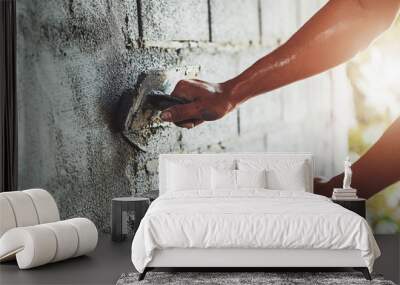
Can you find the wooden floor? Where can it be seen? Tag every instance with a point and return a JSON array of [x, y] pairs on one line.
[[110, 260]]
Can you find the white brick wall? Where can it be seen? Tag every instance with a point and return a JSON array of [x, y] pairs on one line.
[[234, 21]]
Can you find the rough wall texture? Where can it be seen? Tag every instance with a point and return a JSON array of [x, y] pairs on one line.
[[76, 58]]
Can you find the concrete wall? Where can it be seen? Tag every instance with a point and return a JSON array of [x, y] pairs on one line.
[[77, 57]]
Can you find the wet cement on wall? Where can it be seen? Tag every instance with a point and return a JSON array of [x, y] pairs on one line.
[[76, 58]]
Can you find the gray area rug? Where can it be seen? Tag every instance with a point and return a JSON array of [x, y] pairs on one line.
[[273, 278]]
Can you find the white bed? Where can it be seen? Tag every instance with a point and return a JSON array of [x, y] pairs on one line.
[[198, 225]]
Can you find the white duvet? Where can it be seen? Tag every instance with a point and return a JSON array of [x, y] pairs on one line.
[[250, 219]]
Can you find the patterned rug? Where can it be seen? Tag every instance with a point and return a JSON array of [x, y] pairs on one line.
[[269, 278]]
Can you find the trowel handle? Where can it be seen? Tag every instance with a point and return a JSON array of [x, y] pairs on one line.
[[160, 101]]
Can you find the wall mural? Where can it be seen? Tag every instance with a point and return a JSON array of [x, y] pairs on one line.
[[79, 61]]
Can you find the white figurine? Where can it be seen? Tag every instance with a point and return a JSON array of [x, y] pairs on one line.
[[347, 174]]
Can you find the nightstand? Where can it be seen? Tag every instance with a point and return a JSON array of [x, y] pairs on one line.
[[355, 205], [123, 210]]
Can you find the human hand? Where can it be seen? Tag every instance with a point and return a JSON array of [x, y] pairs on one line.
[[322, 186], [209, 102]]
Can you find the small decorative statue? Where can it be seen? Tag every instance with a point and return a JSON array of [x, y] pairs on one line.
[[347, 174]]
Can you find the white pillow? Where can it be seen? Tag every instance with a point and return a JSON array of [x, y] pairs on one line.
[[281, 174], [292, 179], [230, 180], [184, 178], [251, 178], [223, 179], [193, 174]]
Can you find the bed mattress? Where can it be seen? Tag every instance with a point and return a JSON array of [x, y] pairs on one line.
[[251, 219]]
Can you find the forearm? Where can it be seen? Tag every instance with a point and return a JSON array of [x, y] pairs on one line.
[[332, 36], [377, 169]]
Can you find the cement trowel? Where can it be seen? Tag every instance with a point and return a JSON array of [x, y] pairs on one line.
[[137, 113]]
